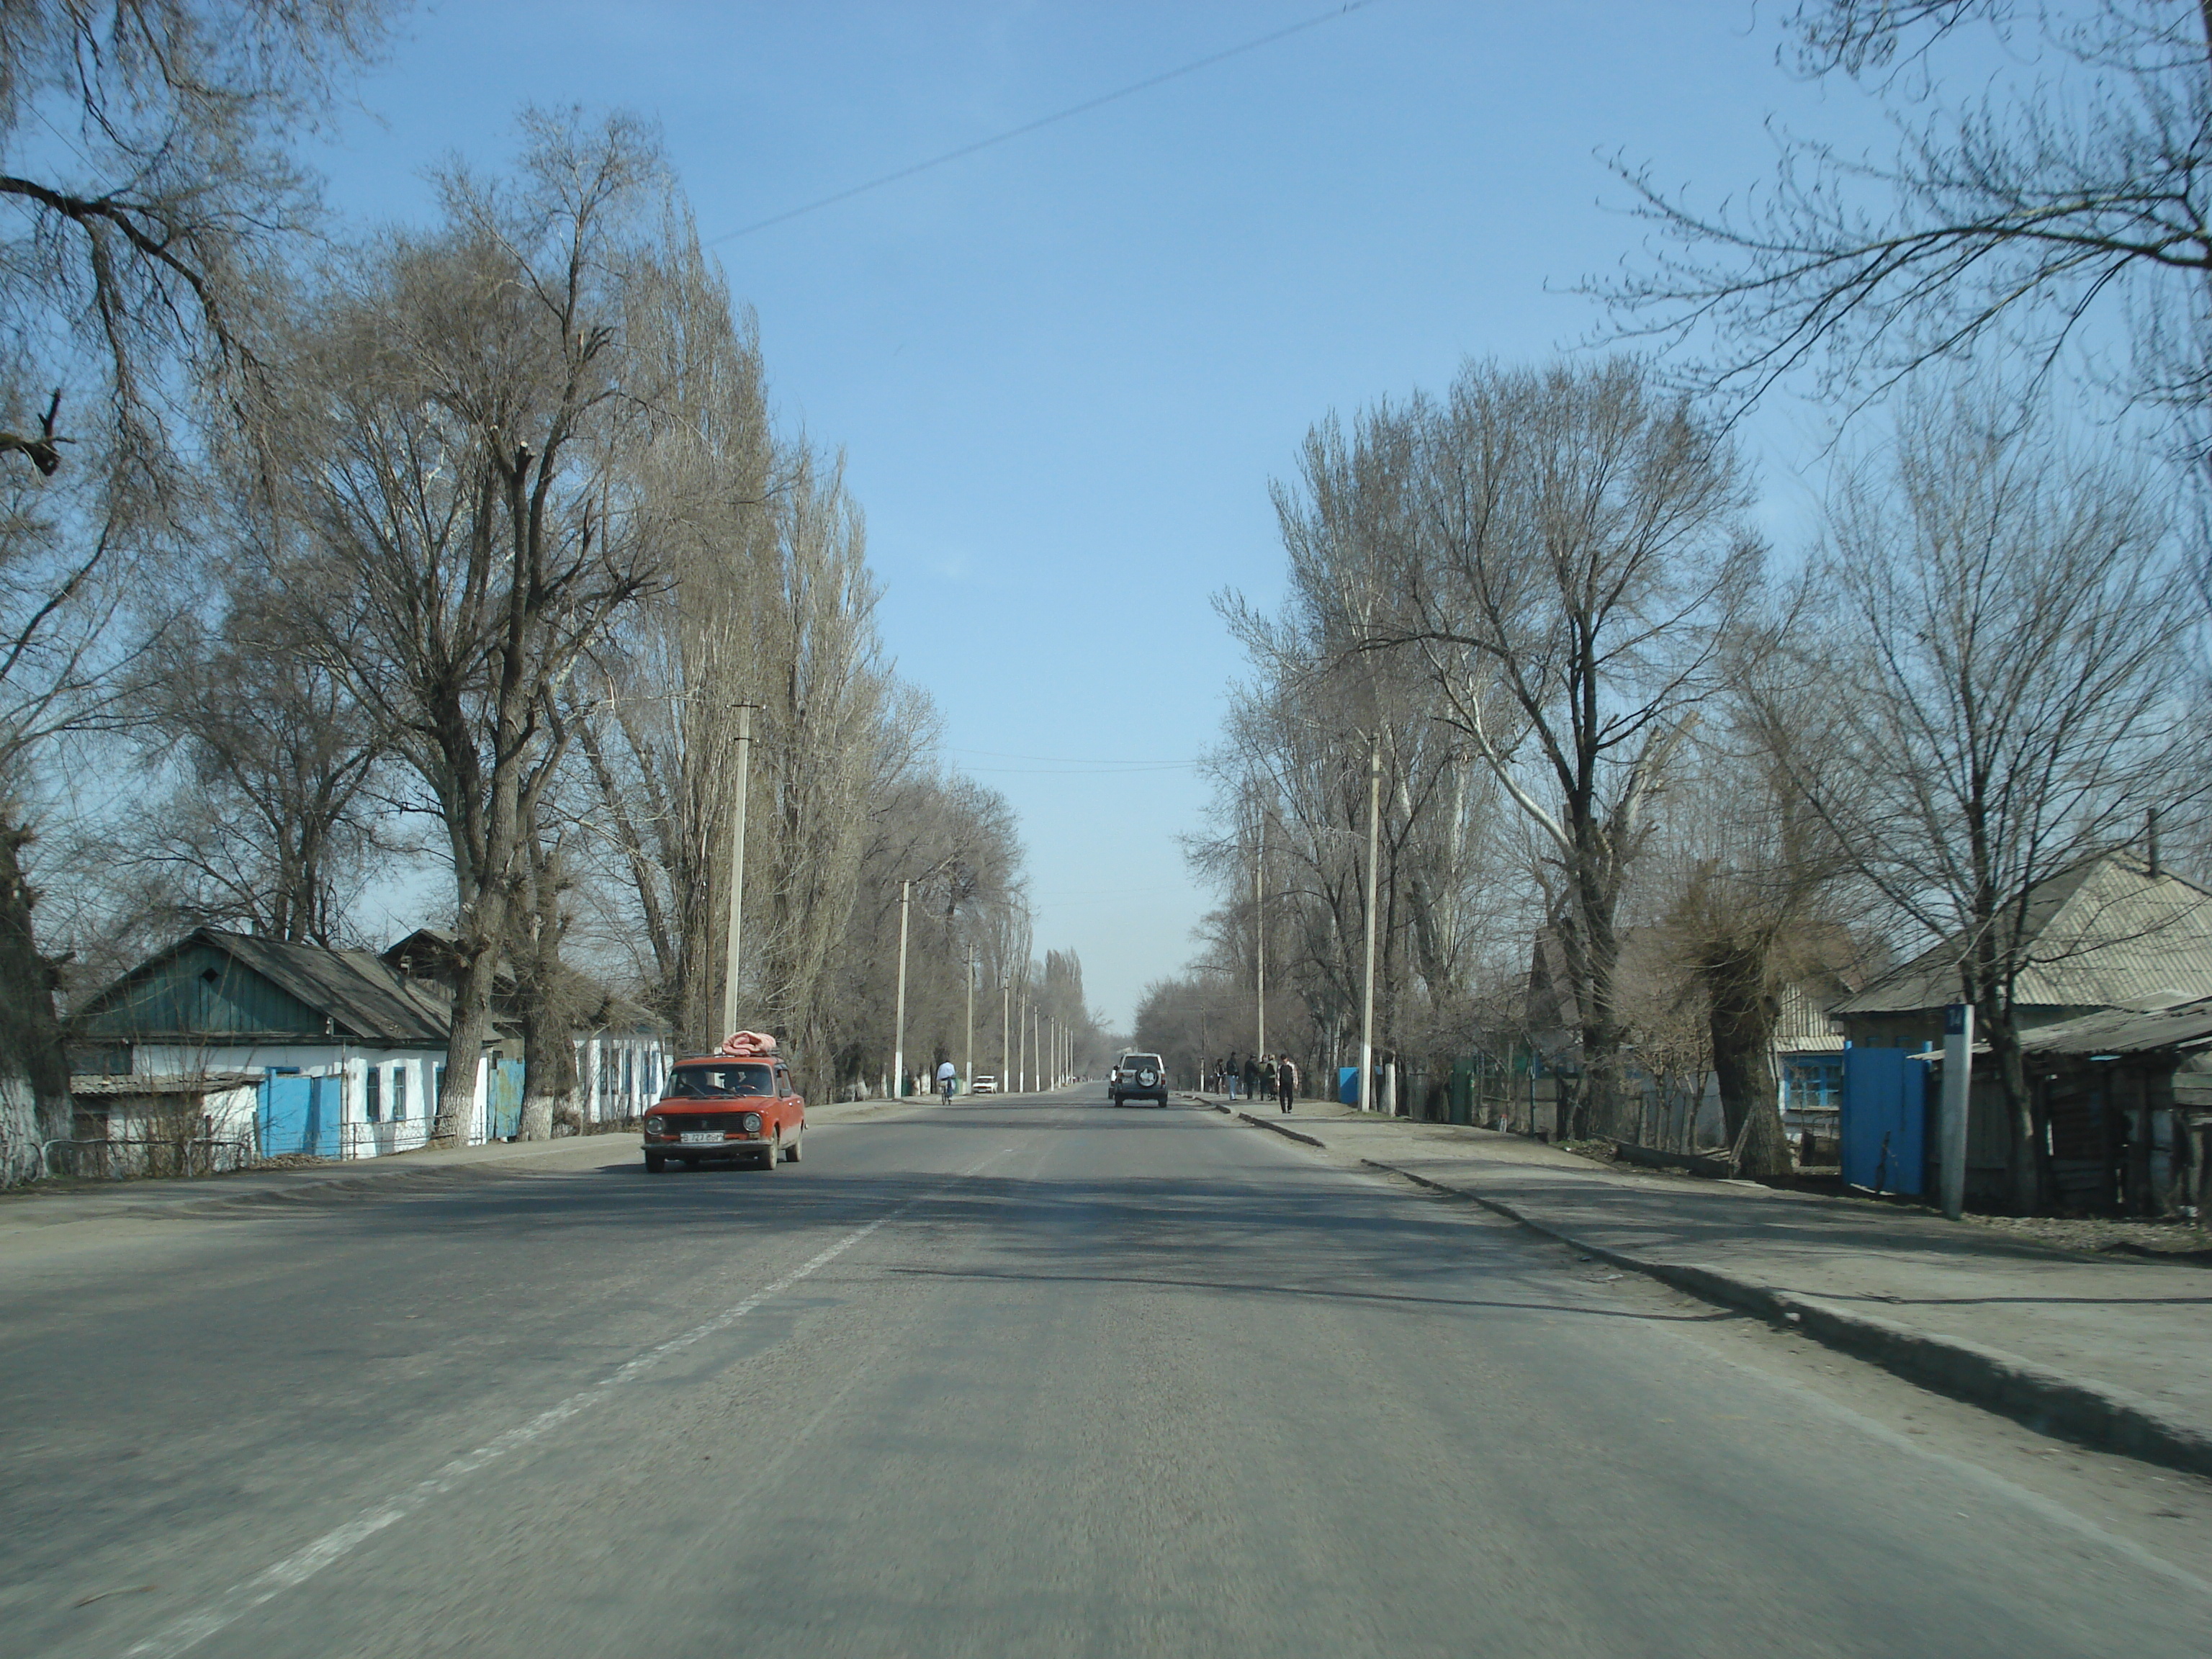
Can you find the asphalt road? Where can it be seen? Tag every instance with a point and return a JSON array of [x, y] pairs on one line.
[[1027, 1377]]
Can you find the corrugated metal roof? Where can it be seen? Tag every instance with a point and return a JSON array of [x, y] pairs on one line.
[[2106, 934], [291, 989], [2127, 1031], [363, 994]]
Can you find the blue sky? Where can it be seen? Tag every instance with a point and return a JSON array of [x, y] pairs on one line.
[[1064, 369]]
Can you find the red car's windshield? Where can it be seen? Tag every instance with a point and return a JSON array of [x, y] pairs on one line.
[[717, 1082]]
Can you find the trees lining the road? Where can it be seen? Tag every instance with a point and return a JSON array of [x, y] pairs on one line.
[[1897, 740], [485, 525], [1722, 786], [1516, 595]]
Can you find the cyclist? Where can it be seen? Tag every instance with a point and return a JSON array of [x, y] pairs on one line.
[[948, 1077]]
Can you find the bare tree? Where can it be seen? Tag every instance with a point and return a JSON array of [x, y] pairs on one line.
[[145, 163], [271, 822], [1750, 886], [2052, 194], [143, 169], [1577, 555], [448, 419], [1290, 777], [2010, 701]]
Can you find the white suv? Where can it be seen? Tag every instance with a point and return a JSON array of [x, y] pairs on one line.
[[1139, 1077]]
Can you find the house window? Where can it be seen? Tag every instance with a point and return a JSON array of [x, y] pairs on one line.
[[375, 1105], [437, 1089], [398, 1094], [1814, 1083]]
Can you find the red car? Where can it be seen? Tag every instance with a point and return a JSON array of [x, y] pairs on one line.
[[717, 1107]]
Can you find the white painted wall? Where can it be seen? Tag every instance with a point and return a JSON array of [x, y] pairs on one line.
[[621, 1073], [350, 1060]]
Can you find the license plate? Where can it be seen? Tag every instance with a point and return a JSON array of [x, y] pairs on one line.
[[702, 1137]]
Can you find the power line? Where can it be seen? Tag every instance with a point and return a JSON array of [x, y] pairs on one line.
[[1072, 110], [1106, 771], [1086, 762]]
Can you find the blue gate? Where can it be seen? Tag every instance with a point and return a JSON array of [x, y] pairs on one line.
[[299, 1114], [1884, 1119], [503, 1111]]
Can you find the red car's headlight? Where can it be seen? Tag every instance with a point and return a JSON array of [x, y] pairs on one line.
[[656, 1126], [750, 1122]]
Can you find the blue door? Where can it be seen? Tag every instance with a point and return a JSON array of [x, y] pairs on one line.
[[299, 1115], [1884, 1119], [503, 1116]]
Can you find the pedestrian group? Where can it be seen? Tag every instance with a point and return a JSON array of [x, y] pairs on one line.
[[1260, 1075]]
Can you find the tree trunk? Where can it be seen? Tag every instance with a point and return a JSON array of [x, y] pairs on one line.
[[1742, 1023], [2024, 1156], [34, 1097], [548, 1070], [464, 1046], [1599, 1108]]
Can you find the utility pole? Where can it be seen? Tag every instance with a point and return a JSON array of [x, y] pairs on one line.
[[898, 1037], [1951, 1117], [969, 1077], [1260, 933], [737, 868], [1367, 994], [1005, 1036], [1021, 1042]]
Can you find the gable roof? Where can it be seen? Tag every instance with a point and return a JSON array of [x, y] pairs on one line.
[[2106, 932], [362, 997]]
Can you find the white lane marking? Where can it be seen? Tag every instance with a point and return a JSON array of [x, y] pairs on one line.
[[189, 1631]]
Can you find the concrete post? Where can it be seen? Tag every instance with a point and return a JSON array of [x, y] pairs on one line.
[[1958, 1087], [1367, 994], [898, 1035], [737, 869]]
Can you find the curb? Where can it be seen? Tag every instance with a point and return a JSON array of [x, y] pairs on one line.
[[1281, 1129], [2094, 1414]]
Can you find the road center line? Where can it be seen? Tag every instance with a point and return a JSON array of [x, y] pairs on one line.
[[189, 1631]]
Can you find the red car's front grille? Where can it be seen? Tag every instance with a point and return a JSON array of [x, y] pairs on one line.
[[682, 1121]]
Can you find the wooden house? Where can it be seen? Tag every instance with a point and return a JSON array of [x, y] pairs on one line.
[[351, 1055]]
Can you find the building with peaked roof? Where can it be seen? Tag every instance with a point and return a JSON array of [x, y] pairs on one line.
[[350, 1044], [2109, 932], [351, 1052]]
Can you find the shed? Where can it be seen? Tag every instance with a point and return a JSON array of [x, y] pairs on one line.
[[2125, 1096], [166, 1124]]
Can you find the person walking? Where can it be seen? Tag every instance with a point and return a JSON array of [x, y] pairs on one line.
[[1286, 1081], [1252, 1077], [1267, 1089], [1231, 1073]]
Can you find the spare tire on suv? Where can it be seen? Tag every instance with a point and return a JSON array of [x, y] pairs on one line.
[[1138, 1077]]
